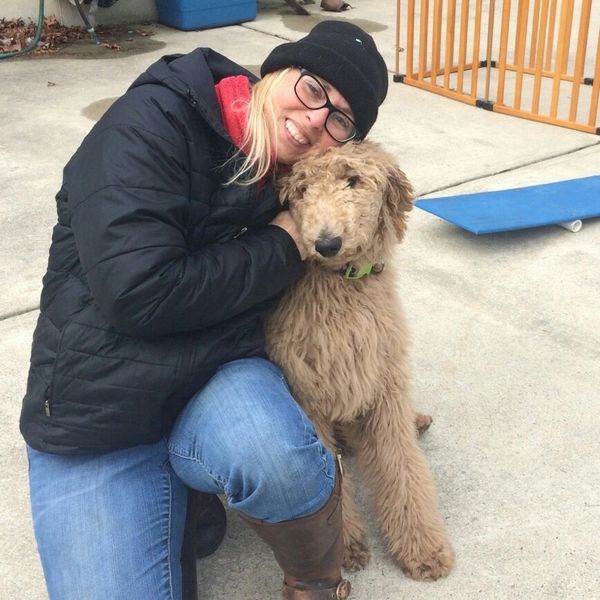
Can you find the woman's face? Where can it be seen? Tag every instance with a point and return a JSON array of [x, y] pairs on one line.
[[297, 129]]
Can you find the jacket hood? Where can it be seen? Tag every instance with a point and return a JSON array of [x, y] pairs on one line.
[[194, 76]]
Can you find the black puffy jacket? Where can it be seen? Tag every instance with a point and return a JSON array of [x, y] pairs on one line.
[[158, 273]]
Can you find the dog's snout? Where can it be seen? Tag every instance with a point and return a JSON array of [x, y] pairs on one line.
[[328, 246]]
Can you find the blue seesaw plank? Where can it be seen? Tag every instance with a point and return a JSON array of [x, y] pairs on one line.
[[518, 208]]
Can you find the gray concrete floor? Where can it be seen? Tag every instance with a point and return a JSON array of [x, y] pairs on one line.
[[506, 327]]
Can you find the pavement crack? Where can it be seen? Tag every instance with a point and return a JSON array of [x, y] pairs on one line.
[[269, 33], [18, 313], [507, 170]]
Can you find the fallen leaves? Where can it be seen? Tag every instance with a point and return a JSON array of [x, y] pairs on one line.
[[16, 34]]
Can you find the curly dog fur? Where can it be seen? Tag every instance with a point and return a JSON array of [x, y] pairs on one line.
[[343, 347]]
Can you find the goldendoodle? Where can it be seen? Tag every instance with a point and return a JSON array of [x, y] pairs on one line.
[[340, 336]]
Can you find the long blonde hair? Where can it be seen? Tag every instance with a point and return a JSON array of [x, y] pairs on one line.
[[256, 143]]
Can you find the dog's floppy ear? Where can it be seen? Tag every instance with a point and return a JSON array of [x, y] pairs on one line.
[[398, 198], [292, 185]]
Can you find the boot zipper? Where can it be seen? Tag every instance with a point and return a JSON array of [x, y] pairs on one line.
[[340, 465]]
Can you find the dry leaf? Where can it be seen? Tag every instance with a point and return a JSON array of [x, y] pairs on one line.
[[15, 34]]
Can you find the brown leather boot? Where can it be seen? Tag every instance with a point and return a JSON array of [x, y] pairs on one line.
[[310, 551]]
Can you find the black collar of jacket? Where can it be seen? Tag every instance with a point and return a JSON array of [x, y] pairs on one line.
[[191, 75]]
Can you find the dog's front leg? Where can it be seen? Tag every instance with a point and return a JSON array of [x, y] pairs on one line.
[[356, 549], [404, 494]]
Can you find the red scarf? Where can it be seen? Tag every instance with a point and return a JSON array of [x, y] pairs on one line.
[[233, 94]]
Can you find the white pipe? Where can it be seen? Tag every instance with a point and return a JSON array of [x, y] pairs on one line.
[[573, 226]]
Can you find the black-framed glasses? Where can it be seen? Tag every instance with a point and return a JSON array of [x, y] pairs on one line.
[[312, 94]]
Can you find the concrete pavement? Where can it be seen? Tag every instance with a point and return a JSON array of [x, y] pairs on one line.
[[506, 329]]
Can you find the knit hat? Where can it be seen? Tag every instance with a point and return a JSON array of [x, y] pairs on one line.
[[346, 57]]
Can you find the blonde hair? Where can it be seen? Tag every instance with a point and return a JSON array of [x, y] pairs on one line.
[[257, 139]]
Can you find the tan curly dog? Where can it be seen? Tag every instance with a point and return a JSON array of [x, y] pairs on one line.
[[342, 343]]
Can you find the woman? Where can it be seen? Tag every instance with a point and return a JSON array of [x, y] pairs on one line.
[[147, 370]]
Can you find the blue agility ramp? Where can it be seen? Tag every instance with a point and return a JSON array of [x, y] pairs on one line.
[[519, 208]]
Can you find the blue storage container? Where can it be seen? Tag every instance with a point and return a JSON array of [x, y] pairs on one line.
[[201, 14]]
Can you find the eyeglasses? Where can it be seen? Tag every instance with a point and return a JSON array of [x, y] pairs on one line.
[[312, 94]]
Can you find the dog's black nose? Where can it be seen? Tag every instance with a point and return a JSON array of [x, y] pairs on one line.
[[328, 246]]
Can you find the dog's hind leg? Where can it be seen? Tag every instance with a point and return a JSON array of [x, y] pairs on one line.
[[348, 435], [356, 549], [423, 422], [404, 495]]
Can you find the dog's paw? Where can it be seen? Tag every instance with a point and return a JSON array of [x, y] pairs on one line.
[[356, 555], [431, 565], [423, 422]]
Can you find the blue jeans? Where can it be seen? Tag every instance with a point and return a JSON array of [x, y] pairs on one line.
[[110, 526]]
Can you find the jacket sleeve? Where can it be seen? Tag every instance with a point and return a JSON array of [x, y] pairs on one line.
[[129, 199]]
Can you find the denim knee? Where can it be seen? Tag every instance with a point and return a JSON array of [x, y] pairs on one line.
[[245, 436], [283, 468]]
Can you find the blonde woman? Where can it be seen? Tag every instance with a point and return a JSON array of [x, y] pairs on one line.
[[148, 374]]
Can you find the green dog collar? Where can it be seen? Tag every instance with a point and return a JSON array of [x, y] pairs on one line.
[[350, 272]]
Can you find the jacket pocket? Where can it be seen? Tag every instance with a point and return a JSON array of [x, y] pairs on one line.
[[104, 379], [49, 393]]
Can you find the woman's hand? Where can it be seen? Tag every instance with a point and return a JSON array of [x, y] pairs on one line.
[[285, 221]]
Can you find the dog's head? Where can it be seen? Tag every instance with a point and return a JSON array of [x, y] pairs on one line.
[[350, 203]]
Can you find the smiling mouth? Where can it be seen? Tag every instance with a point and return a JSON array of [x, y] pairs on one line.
[[293, 131]]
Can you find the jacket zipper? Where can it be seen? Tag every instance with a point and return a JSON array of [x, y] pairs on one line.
[[49, 389], [47, 406]]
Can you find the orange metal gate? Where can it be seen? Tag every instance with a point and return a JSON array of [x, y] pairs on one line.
[[537, 59]]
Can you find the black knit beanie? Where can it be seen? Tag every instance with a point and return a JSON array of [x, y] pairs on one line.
[[346, 57]]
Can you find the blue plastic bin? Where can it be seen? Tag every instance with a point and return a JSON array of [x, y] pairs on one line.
[[201, 14]]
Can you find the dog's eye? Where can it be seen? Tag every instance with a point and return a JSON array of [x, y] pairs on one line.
[[352, 181]]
